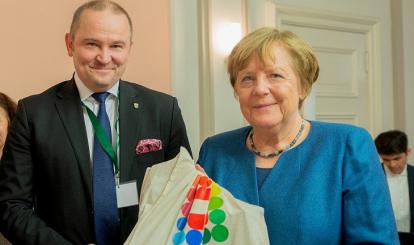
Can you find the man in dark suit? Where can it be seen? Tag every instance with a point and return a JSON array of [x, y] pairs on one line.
[[66, 141], [393, 149]]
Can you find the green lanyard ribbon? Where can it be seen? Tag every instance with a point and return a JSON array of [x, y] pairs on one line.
[[103, 138]]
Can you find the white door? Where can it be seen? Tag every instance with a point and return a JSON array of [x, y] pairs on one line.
[[344, 90]]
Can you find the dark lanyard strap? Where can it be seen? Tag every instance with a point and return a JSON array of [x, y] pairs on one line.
[[102, 138]]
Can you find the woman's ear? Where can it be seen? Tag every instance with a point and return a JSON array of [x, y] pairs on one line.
[[236, 96], [302, 94]]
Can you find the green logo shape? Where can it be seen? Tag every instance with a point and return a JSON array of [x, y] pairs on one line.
[[215, 203], [206, 236], [220, 233], [217, 216]]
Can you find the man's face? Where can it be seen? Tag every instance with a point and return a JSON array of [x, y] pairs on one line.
[[100, 48], [395, 162]]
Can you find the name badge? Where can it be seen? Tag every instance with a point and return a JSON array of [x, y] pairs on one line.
[[127, 194]]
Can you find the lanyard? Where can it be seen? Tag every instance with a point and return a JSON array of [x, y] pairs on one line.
[[103, 138]]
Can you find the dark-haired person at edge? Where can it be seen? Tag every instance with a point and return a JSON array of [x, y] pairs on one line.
[[7, 113], [392, 146], [319, 183], [70, 162]]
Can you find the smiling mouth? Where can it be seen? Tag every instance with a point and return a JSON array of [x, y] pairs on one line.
[[102, 69], [263, 106]]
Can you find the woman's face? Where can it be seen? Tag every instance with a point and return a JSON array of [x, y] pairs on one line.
[[269, 93], [4, 124]]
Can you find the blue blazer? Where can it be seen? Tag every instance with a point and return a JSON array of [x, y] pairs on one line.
[[330, 189]]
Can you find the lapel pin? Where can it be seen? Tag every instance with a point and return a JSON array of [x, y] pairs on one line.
[[136, 105]]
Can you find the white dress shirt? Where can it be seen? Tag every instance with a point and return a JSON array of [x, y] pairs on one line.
[[400, 198], [111, 104]]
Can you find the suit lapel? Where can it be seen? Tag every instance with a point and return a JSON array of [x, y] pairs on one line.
[[129, 114], [410, 175], [70, 112]]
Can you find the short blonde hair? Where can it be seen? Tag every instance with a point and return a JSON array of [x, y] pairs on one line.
[[261, 43]]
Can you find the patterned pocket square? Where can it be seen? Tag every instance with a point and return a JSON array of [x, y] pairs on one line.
[[148, 145]]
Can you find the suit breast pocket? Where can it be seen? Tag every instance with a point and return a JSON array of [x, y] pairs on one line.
[[150, 158]]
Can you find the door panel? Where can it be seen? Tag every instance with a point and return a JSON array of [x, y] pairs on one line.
[[344, 87]]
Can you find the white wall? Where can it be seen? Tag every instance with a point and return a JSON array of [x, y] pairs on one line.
[[227, 115], [184, 66]]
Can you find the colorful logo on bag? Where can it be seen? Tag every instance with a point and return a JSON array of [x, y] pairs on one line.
[[203, 219]]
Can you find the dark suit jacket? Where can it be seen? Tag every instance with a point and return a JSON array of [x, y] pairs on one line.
[[45, 173], [410, 176]]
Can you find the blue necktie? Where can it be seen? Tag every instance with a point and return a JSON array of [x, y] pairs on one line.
[[107, 224]]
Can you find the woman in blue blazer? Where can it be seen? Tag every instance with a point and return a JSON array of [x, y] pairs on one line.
[[319, 183]]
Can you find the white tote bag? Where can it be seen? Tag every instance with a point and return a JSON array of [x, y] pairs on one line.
[[180, 205]]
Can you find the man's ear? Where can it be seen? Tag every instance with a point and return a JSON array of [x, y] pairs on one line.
[[130, 47], [408, 151], [69, 44]]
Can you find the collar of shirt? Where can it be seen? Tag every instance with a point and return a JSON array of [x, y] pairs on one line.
[[86, 94], [392, 175], [111, 106]]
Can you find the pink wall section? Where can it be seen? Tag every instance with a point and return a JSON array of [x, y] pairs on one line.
[[33, 54]]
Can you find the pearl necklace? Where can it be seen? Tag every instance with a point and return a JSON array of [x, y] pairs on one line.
[[276, 153]]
